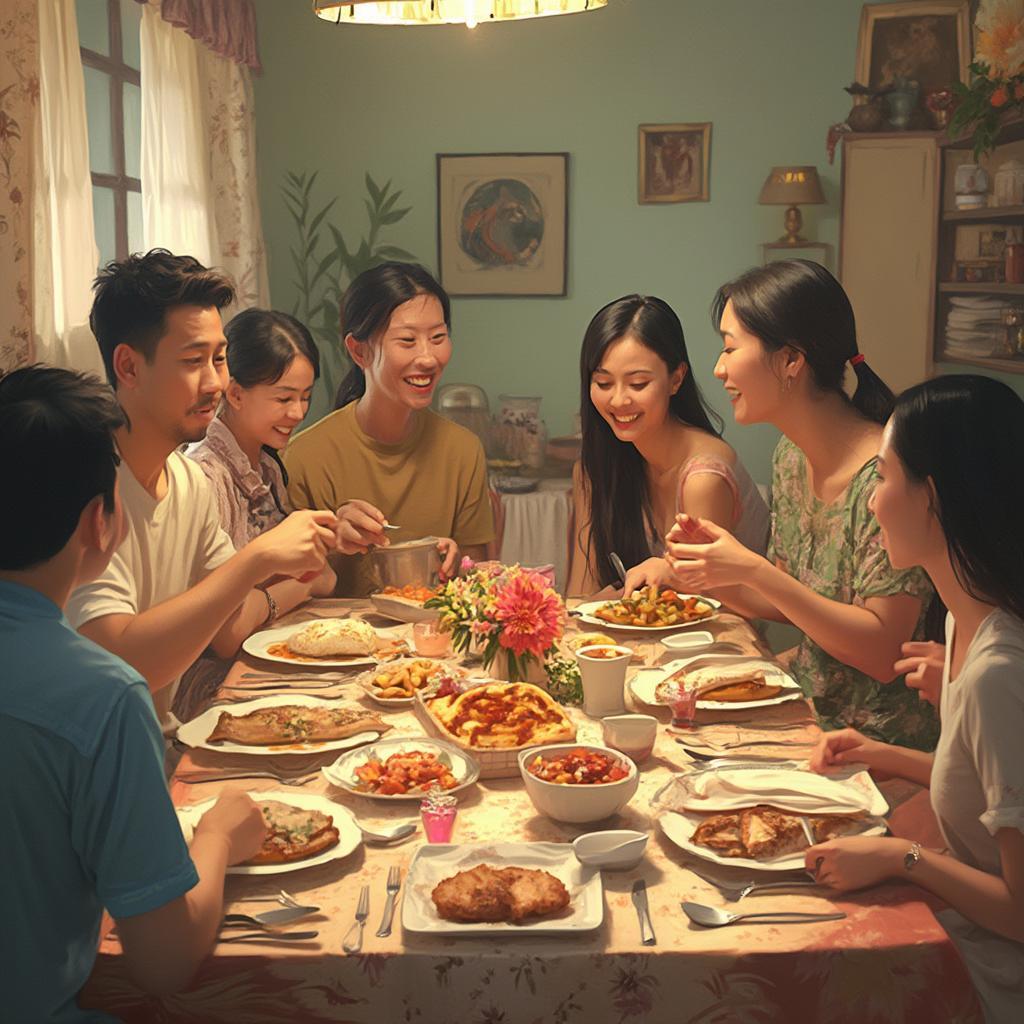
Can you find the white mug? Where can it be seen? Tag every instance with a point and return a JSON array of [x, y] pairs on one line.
[[603, 679], [632, 735]]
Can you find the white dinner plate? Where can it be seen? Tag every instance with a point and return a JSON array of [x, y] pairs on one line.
[[644, 683], [366, 681], [257, 645], [196, 732], [680, 825], [342, 773], [401, 609], [349, 836], [586, 614], [433, 863]]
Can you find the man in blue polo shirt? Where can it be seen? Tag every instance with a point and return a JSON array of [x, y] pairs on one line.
[[81, 754]]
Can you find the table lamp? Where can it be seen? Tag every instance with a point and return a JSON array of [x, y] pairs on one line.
[[791, 187]]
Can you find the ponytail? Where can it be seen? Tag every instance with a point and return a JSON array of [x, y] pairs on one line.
[[872, 397]]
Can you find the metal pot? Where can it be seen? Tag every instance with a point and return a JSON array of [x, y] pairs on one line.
[[416, 561]]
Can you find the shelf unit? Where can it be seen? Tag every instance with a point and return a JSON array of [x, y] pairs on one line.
[[952, 222]]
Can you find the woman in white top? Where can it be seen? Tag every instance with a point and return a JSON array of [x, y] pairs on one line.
[[949, 499], [650, 450]]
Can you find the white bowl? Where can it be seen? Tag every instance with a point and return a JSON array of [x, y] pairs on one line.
[[577, 804], [615, 850]]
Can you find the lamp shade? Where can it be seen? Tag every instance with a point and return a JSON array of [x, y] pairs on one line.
[[444, 12], [792, 186]]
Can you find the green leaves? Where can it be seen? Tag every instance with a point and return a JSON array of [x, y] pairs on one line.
[[980, 107], [322, 277]]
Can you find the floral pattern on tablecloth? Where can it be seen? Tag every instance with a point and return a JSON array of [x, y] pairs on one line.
[[889, 955]]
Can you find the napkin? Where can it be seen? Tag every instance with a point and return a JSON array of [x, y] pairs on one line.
[[797, 791]]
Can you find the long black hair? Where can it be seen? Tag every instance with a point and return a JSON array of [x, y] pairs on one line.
[[965, 433], [614, 472], [798, 303], [367, 306], [262, 343]]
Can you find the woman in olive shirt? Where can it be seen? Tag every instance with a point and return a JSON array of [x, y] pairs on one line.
[[383, 446]]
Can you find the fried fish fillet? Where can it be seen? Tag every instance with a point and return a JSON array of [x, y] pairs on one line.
[[486, 893]]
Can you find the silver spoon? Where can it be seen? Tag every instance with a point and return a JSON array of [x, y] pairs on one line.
[[714, 917]]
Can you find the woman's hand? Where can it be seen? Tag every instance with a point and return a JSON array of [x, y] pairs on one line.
[[449, 552], [323, 583], [855, 862], [652, 571], [924, 664], [704, 556], [360, 527], [843, 747]]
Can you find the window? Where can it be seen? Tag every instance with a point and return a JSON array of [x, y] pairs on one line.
[[108, 33]]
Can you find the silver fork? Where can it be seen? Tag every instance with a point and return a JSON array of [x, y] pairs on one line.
[[362, 913], [734, 893], [393, 885], [192, 778]]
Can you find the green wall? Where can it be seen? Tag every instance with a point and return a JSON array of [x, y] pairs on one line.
[[767, 73]]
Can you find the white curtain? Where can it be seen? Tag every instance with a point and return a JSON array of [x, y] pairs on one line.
[[177, 198], [64, 254], [199, 194]]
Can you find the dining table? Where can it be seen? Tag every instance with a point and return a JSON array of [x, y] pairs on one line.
[[888, 961]]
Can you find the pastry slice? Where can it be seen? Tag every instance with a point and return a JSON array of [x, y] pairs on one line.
[[721, 833], [767, 833]]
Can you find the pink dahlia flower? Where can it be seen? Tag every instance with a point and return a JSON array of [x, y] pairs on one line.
[[530, 615]]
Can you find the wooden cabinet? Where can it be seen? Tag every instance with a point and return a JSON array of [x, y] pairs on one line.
[[887, 249], [899, 248]]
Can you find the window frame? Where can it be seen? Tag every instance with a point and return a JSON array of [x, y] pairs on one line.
[[120, 183]]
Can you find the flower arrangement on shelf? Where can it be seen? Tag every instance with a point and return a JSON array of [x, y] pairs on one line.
[[501, 610], [997, 75]]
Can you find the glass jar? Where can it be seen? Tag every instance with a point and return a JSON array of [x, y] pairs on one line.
[[1008, 184]]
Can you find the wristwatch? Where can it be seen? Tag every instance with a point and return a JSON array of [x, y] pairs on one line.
[[912, 857], [271, 606]]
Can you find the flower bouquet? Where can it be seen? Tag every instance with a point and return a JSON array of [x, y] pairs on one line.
[[501, 610], [996, 89]]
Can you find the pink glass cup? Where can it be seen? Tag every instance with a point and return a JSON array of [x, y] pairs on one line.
[[684, 708], [437, 811], [429, 640]]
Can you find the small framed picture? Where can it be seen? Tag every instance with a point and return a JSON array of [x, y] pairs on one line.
[[503, 223], [675, 163]]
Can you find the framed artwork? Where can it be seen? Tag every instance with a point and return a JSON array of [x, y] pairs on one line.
[[927, 41], [674, 163], [503, 223]]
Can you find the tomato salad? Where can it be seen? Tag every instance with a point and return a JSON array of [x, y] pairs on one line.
[[579, 768]]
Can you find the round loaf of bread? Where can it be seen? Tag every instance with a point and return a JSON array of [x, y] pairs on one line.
[[326, 637]]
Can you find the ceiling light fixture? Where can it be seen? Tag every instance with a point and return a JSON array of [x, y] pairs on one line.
[[445, 12]]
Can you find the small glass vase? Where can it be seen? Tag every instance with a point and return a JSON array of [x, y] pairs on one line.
[[526, 669]]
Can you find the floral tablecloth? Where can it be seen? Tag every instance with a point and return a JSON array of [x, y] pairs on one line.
[[888, 961]]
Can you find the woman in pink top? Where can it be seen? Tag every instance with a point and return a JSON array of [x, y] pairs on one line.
[[650, 450]]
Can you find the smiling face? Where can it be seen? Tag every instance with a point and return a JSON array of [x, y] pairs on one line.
[[753, 378], [405, 364], [176, 395], [911, 534], [631, 388], [268, 413]]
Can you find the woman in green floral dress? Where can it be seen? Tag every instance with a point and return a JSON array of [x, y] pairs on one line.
[[788, 335]]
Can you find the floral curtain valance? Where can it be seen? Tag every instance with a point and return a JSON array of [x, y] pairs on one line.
[[228, 27]]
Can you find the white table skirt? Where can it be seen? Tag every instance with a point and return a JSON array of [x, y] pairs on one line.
[[537, 528]]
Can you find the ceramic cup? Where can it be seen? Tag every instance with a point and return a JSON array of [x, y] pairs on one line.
[[603, 675], [633, 735]]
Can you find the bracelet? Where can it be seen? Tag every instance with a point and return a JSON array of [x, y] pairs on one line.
[[912, 857], [271, 606]]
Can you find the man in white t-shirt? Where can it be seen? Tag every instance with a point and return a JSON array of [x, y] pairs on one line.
[[176, 585]]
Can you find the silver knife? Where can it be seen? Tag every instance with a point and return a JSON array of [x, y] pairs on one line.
[[269, 918], [643, 913]]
